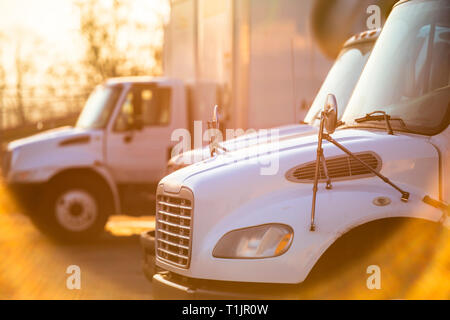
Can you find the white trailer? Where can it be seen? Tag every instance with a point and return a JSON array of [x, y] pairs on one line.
[[256, 59]]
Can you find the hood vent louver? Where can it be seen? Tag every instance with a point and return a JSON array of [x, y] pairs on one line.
[[339, 168], [75, 140]]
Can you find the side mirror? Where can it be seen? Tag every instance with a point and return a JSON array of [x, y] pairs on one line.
[[330, 113]]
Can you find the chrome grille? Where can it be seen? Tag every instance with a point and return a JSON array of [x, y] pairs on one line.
[[174, 214], [339, 168]]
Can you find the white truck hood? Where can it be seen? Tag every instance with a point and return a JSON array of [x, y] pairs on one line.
[[295, 151], [55, 135], [37, 158], [246, 141]]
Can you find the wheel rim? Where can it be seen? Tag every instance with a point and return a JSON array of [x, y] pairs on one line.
[[76, 210]]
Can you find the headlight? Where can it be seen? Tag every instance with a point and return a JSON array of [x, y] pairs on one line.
[[259, 242]]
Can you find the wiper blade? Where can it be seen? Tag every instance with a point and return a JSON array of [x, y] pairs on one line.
[[380, 116]]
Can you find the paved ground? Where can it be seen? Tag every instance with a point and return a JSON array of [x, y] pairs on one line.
[[33, 267]]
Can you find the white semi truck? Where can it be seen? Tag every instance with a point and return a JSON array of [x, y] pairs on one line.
[[222, 227]]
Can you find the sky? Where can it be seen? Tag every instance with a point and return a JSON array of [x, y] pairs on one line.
[[52, 20], [55, 24]]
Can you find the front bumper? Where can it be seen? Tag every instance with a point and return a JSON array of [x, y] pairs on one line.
[[169, 286]]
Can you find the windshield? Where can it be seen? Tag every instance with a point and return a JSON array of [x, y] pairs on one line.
[[98, 108], [407, 75], [341, 78]]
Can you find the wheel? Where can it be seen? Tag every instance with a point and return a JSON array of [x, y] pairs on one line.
[[73, 209]]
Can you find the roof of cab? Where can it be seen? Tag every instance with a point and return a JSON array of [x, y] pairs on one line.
[[365, 36], [143, 79]]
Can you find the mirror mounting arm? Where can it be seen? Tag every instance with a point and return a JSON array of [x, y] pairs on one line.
[[328, 121], [214, 145]]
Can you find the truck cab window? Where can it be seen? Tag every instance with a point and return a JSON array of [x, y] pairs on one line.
[[99, 107], [155, 106], [408, 74], [148, 105]]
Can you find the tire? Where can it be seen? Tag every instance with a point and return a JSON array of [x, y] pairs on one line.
[[73, 209]]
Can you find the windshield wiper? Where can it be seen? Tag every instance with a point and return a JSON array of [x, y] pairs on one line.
[[380, 116]]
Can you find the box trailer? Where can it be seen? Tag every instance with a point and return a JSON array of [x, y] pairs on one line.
[[259, 60]]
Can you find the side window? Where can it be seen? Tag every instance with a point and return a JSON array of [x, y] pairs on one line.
[[148, 105], [426, 101], [431, 70], [156, 106]]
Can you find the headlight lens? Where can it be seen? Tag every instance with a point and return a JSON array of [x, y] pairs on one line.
[[258, 242]]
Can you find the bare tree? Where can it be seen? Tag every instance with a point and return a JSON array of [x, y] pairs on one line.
[[22, 66], [66, 84], [2, 89], [106, 31]]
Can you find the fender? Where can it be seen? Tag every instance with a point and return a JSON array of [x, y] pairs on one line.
[[38, 159]]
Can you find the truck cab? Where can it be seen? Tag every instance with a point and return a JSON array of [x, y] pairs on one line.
[[70, 180], [222, 227]]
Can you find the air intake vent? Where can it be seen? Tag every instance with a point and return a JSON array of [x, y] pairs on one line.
[[339, 168]]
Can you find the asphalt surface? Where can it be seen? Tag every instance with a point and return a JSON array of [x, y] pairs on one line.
[[33, 267]]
